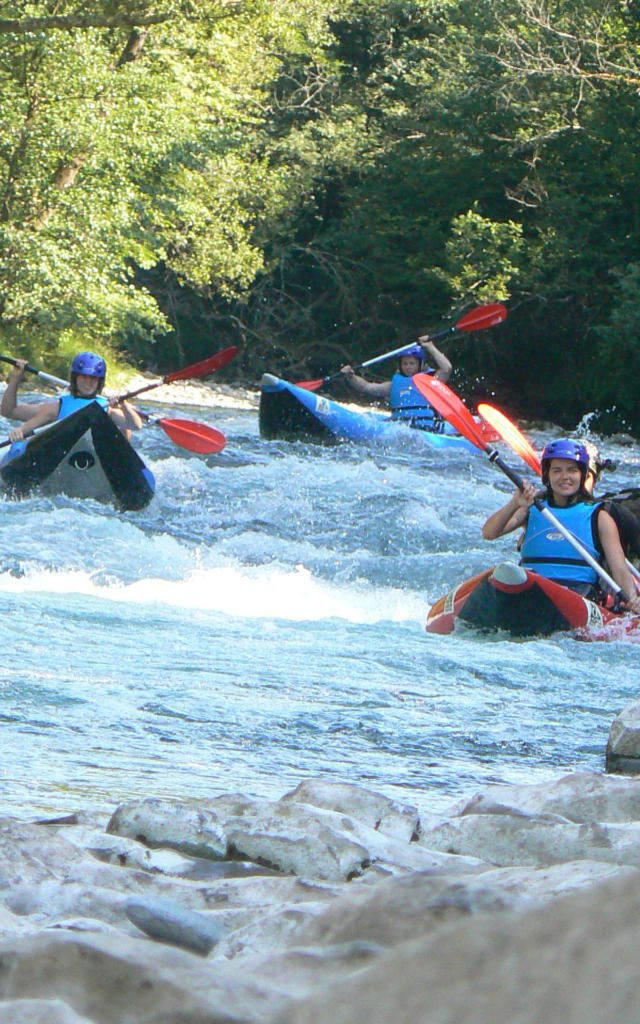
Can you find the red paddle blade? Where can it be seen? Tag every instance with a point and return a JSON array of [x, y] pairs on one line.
[[195, 437], [511, 434], [446, 402], [204, 367], [310, 385], [482, 316]]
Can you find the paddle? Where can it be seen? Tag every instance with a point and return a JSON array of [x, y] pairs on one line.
[[514, 437], [477, 319], [195, 437], [201, 369], [446, 402], [49, 378]]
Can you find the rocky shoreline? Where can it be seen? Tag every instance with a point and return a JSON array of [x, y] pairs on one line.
[[331, 904]]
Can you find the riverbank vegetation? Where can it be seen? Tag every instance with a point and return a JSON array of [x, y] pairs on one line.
[[317, 181]]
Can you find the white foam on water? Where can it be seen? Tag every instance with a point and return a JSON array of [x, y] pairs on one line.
[[249, 592]]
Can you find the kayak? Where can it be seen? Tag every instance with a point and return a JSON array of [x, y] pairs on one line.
[[84, 455], [293, 413], [525, 604]]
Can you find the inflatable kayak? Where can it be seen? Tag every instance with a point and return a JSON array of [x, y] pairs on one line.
[[511, 598], [84, 455], [293, 413]]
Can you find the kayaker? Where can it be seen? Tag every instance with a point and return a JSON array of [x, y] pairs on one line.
[[565, 465], [405, 401], [86, 381]]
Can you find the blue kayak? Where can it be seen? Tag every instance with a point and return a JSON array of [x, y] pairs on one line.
[[293, 413]]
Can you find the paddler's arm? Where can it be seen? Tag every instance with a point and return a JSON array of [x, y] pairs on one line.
[[125, 416], [443, 365], [610, 540], [47, 413], [366, 387], [9, 406], [510, 516]]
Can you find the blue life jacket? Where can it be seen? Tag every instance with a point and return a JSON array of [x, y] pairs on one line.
[[407, 403], [548, 553], [71, 403]]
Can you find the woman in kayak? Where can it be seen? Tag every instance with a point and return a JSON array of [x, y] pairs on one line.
[[88, 372], [565, 465], [406, 402]]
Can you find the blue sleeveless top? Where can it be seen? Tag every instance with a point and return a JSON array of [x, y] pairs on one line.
[[548, 553], [71, 403]]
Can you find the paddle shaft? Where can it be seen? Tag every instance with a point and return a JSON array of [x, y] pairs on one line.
[[48, 377], [475, 320], [405, 348]]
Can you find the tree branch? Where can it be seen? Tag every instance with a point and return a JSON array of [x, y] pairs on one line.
[[71, 21]]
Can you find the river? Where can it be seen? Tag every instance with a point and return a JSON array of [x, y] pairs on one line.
[[262, 621]]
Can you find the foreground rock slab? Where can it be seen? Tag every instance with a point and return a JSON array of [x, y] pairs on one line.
[[574, 962], [331, 903]]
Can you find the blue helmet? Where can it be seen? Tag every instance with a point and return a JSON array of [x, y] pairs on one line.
[[89, 365], [564, 448], [416, 351]]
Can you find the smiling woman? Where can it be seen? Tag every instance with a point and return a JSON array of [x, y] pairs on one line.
[[548, 552]]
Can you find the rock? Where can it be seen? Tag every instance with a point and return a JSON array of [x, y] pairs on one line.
[[30, 853], [53, 900], [397, 908], [623, 745], [316, 843], [504, 839], [297, 973], [399, 821], [118, 980], [170, 923], [188, 828], [581, 797], [39, 1011], [115, 849], [531, 886], [574, 961], [316, 850]]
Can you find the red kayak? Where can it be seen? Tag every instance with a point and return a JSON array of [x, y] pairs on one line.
[[508, 597]]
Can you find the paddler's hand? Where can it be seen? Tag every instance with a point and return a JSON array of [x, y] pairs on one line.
[[17, 434], [114, 402], [633, 604], [524, 498], [348, 371], [19, 369]]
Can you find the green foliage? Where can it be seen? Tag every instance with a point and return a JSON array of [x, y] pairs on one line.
[[316, 180]]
